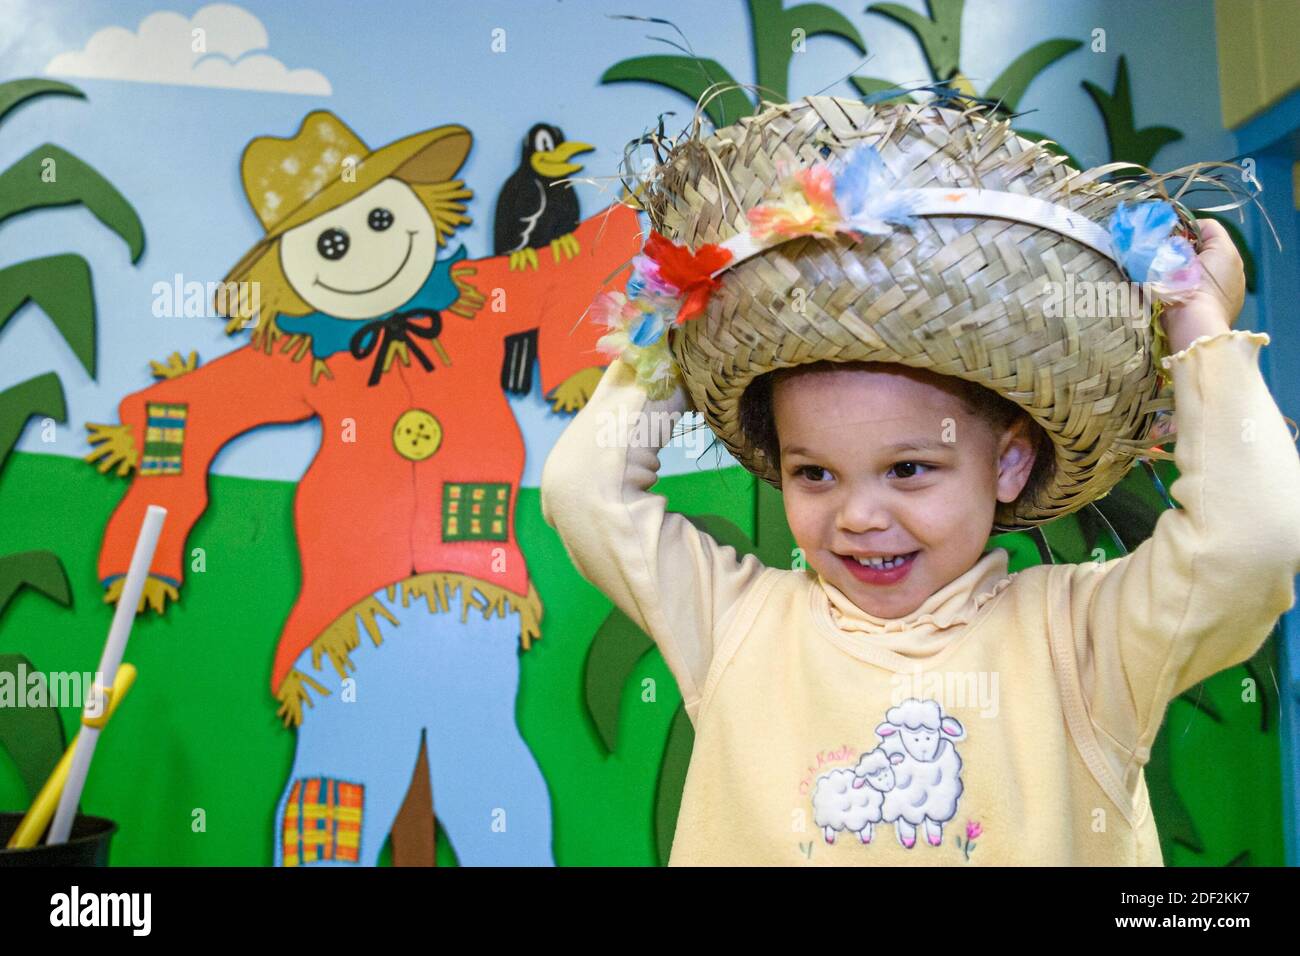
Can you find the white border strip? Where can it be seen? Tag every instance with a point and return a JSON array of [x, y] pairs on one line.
[[964, 202]]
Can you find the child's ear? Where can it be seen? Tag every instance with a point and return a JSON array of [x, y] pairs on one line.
[[1016, 454]]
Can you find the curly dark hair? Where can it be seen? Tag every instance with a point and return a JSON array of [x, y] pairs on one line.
[[758, 419]]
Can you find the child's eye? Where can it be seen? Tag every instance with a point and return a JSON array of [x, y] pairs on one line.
[[803, 469], [913, 465]]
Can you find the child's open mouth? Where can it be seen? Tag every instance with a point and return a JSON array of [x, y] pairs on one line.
[[880, 571]]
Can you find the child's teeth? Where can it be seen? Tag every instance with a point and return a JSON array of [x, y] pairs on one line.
[[883, 564]]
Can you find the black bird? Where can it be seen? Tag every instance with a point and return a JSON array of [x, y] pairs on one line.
[[533, 211]]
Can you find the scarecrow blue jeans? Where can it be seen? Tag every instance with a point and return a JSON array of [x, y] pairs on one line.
[[457, 684]]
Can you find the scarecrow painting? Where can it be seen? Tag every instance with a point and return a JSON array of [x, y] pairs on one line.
[[403, 645]]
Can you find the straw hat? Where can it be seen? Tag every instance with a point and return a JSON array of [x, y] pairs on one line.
[[290, 181], [956, 295]]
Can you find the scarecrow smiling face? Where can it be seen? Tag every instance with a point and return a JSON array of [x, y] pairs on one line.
[[365, 257]]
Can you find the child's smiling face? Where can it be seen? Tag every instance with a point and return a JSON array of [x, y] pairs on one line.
[[891, 462]]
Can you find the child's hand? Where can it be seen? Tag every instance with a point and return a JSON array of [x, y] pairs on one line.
[[1212, 308]]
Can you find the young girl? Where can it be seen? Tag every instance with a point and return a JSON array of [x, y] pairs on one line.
[[898, 697]]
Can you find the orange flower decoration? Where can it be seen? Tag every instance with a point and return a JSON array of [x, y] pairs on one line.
[[807, 207]]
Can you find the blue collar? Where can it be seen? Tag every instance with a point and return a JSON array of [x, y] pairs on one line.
[[330, 334]]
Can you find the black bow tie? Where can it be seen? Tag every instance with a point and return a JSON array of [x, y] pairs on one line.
[[398, 327]]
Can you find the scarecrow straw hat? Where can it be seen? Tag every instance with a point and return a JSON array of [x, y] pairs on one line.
[[959, 296], [292, 180]]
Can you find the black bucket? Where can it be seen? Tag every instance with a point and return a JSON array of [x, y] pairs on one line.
[[87, 844]]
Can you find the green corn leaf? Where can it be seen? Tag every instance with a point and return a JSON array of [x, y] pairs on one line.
[[672, 781], [33, 736], [775, 542], [724, 532], [773, 28], [15, 92], [1065, 537], [1176, 825], [618, 645], [61, 286], [615, 650], [940, 33], [26, 185], [40, 570], [1012, 82], [42, 395], [690, 76], [1128, 144]]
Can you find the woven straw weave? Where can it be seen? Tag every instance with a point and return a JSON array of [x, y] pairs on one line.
[[956, 296]]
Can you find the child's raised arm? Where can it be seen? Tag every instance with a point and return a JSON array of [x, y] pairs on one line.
[[677, 583], [1203, 593]]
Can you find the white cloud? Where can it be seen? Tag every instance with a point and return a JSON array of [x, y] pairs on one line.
[[222, 45]]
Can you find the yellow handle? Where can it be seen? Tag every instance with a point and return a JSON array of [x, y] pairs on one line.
[[47, 801]]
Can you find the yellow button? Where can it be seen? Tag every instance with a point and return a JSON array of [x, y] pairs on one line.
[[417, 435]]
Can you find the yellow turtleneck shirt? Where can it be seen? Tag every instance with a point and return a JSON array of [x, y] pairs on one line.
[[1008, 719]]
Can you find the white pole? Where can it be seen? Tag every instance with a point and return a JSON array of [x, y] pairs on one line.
[[97, 702]]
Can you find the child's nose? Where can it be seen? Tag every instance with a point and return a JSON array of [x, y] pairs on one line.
[[863, 511]]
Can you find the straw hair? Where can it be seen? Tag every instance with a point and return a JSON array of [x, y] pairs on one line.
[[957, 296]]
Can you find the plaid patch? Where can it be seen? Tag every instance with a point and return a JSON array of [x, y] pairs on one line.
[[322, 821], [163, 437], [475, 511]]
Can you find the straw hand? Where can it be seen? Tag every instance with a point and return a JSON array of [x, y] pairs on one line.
[[113, 448], [573, 393], [470, 299], [155, 593]]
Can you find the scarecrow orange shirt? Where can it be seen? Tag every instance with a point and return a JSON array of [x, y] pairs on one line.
[[416, 473]]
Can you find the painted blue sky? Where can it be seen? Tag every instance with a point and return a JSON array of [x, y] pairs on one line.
[[397, 67]]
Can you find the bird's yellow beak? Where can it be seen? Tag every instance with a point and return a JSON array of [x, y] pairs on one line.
[[554, 163]]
